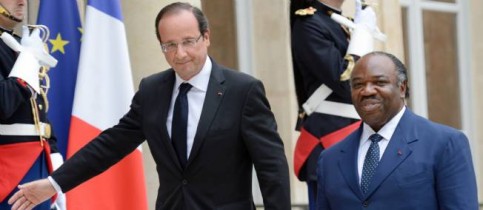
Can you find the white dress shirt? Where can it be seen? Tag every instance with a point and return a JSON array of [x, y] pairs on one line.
[[196, 99], [386, 132]]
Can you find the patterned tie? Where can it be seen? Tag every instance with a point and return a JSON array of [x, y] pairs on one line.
[[180, 123], [371, 162]]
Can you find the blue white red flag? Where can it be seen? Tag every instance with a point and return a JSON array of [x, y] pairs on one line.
[[103, 94], [63, 20]]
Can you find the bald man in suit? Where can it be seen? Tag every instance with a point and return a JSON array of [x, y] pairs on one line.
[[396, 159]]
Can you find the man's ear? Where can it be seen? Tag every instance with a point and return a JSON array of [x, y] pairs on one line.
[[403, 88], [206, 37]]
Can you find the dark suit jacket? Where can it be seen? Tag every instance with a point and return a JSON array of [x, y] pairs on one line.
[[236, 131], [425, 166], [319, 45]]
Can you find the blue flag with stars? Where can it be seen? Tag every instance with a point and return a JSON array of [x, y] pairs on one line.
[[63, 20]]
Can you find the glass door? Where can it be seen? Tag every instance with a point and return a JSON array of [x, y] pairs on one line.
[[436, 52]]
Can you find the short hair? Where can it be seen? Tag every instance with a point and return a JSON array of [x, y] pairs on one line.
[[400, 68], [177, 7]]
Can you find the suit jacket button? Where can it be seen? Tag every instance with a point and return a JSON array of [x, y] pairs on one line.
[[184, 182], [365, 203]]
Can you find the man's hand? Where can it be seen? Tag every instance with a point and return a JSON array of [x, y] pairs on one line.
[[362, 40], [32, 194], [365, 17], [32, 56], [32, 42]]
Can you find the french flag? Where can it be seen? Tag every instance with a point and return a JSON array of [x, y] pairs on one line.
[[103, 94]]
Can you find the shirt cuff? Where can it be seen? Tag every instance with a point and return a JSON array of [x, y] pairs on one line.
[[54, 184]]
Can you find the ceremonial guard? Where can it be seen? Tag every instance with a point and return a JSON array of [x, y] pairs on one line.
[[27, 145], [325, 46]]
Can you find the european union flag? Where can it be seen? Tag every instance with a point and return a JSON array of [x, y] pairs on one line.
[[62, 18]]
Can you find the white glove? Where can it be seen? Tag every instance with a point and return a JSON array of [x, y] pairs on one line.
[[32, 56], [57, 161], [366, 17], [362, 41]]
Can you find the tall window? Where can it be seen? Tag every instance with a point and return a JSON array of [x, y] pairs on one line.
[[436, 54]]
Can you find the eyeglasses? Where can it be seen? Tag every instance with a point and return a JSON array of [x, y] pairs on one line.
[[186, 43]]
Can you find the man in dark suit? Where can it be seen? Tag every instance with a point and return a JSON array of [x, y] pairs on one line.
[[396, 159], [204, 156]]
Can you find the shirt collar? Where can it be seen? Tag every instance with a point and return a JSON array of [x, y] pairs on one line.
[[325, 8], [332, 8], [386, 131], [2, 29], [200, 80]]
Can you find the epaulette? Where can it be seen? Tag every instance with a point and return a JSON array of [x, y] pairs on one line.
[[306, 11]]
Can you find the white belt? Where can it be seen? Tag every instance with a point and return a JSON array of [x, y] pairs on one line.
[[317, 103], [21, 129]]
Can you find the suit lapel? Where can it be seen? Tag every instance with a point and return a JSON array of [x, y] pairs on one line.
[[165, 91], [396, 152], [348, 162], [214, 95]]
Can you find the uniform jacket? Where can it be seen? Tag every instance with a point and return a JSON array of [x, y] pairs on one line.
[[425, 166], [319, 45], [236, 131], [15, 106]]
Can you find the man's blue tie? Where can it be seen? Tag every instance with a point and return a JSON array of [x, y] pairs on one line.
[[180, 124], [371, 162]]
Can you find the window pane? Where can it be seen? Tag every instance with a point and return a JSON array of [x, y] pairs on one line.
[[441, 59]]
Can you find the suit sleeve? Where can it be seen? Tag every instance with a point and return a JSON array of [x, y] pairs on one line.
[[13, 91], [259, 131], [12, 95], [322, 203], [105, 150], [455, 178]]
